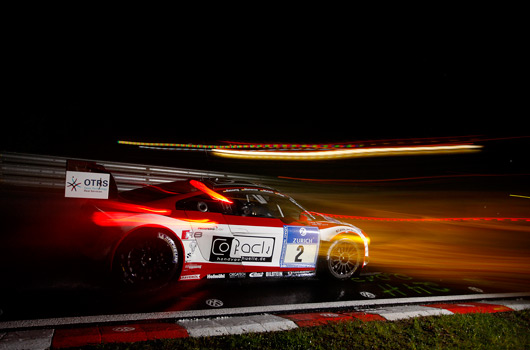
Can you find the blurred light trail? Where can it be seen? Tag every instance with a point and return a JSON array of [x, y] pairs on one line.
[[404, 178], [298, 151], [214, 195], [241, 145], [304, 146], [369, 218], [517, 195], [123, 219], [345, 153]]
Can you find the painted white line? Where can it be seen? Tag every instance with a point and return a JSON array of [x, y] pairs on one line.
[[401, 312], [52, 322], [35, 339], [236, 325], [204, 328], [516, 305]]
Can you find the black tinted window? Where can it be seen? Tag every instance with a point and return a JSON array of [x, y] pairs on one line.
[[264, 204]]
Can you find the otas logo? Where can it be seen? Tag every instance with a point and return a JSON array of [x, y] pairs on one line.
[[96, 183], [74, 184], [88, 182], [87, 185]]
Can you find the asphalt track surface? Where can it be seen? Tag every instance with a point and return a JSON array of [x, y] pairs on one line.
[[430, 238]]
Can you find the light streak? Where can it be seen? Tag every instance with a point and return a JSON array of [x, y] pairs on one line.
[[290, 151], [344, 153], [237, 145], [517, 195], [136, 208], [370, 218], [405, 178], [214, 195], [122, 219], [282, 146]]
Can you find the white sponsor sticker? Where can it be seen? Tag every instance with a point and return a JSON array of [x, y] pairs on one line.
[[87, 185], [242, 248]]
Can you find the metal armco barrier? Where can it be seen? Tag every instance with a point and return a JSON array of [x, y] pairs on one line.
[[49, 172]]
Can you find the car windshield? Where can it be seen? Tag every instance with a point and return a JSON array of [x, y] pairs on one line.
[[262, 203]]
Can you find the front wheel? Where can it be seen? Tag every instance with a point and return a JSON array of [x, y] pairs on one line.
[[147, 259], [344, 259]]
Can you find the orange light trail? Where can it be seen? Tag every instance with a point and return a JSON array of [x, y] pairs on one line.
[[109, 219], [406, 179], [369, 218], [518, 195], [308, 152], [134, 208], [341, 153], [202, 187]]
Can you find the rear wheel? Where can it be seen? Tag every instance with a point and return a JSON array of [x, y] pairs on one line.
[[344, 259], [147, 259]]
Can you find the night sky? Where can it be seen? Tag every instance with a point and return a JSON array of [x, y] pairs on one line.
[[82, 93]]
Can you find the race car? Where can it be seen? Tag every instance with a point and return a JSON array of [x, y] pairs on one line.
[[222, 229]]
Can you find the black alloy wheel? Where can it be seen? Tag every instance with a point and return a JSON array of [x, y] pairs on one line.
[[147, 259], [344, 259]]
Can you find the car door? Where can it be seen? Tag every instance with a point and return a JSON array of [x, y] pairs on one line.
[[212, 234], [267, 233]]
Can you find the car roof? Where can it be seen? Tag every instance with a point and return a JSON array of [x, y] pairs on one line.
[[234, 183], [160, 191]]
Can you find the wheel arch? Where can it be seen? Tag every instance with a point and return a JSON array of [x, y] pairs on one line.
[[135, 230], [355, 235]]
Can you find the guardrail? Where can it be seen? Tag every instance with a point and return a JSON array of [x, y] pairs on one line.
[[50, 172]]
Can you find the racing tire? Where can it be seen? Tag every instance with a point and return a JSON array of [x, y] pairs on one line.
[[343, 259], [147, 259]]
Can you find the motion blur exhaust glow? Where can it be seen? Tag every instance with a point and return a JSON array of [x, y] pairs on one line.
[[122, 219], [345, 153], [214, 195]]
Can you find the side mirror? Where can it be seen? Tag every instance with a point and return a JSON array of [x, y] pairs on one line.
[[303, 218]]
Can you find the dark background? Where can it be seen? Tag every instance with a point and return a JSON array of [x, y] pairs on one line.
[[74, 87], [75, 90]]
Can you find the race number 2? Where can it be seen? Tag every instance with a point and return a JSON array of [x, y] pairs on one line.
[[300, 246]]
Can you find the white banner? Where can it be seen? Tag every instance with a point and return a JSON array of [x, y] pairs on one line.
[[87, 185]]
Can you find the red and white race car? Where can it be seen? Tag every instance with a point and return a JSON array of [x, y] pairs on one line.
[[190, 230]]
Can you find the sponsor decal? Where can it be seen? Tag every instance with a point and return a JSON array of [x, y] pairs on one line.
[[300, 246], [242, 248], [214, 276], [190, 277], [171, 243], [211, 228], [237, 275], [87, 185], [255, 274], [299, 274], [274, 274], [192, 267]]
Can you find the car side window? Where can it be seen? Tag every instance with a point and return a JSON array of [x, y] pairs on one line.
[[264, 205], [205, 204]]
